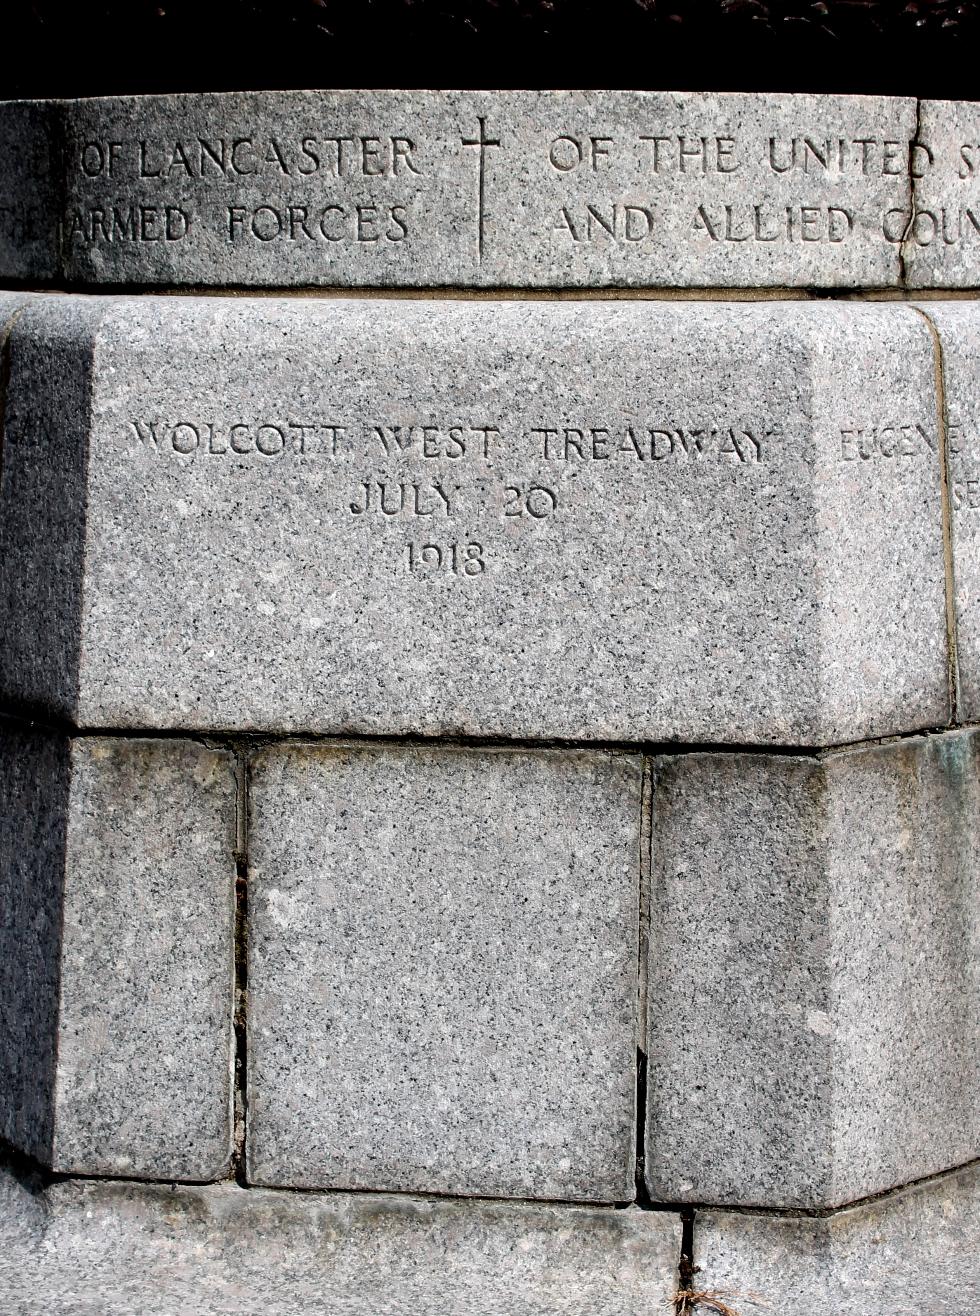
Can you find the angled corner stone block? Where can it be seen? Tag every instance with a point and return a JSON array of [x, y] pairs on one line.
[[814, 995], [116, 953], [652, 522], [916, 1253], [116, 1249], [442, 970], [958, 327], [482, 189]]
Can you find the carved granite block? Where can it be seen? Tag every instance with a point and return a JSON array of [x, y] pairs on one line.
[[814, 993], [652, 521], [442, 188], [442, 970], [116, 957]]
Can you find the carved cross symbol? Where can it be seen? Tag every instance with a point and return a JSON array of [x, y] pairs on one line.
[[484, 143]]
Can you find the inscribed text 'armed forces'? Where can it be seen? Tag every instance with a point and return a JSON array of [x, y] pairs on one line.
[[494, 189]]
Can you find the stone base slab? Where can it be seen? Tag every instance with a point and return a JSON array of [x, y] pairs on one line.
[[916, 1253], [87, 1247], [103, 1248]]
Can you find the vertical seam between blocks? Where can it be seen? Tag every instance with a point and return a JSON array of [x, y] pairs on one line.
[[240, 999], [646, 834], [55, 1091], [686, 1269], [903, 270], [642, 949], [952, 656]]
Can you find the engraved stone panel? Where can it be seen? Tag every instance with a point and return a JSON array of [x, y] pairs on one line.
[[442, 970], [958, 327], [942, 245], [519, 188], [116, 958], [654, 521], [814, 992]]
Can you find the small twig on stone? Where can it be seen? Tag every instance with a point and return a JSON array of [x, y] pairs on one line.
[[689, 1301]]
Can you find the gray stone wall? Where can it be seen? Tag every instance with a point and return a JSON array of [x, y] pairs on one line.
[[504, 766]]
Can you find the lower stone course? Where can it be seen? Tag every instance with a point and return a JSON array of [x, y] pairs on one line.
[[101, 1248], [916, 1253], [105, 1248]]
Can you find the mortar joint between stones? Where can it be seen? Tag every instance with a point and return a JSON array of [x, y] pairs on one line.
[[29, 714], [942, 409], [241, 927], [686, 1269], [642, 947], [903, 266]]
